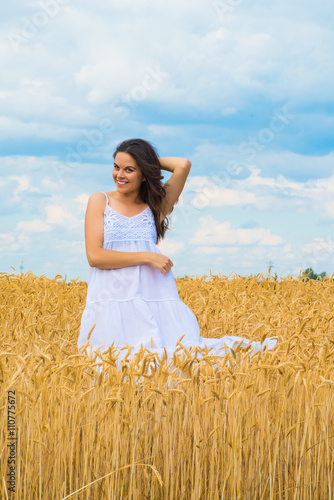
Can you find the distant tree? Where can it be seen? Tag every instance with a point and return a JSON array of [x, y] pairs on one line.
[[309, 274]]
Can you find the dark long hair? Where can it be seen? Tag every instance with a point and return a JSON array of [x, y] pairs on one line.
[[152, 191]]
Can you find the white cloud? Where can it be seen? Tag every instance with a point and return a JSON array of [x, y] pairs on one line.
[[163, 130], [213, 232], [229, 111], [232, 250], [82, 199], [214, 196], [23, 164], [170, 247], [7, 238], [19, 128], [10, 243], [217, 65], [261, 192], [329, 209], [4, 95], [23, 184], [33, 226], [50, 184], [208, 250], [57, 215], [72, 245], [320, 249]]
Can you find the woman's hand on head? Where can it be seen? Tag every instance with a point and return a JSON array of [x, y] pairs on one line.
[[160, 262]]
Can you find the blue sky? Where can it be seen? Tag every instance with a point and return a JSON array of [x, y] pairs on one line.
[[242, 89]]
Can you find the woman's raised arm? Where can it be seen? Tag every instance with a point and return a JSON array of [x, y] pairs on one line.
[[174, 186]]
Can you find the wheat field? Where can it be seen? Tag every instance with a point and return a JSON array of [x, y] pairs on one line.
[[241, 427]]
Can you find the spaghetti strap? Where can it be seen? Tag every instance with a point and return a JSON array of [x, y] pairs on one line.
[[106, 198]]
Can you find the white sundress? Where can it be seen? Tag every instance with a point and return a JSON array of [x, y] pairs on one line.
[[138, 305]]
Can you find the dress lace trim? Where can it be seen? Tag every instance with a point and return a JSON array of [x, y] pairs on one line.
[[118, 227]]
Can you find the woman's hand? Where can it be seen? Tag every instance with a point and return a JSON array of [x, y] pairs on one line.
[[160, 262]]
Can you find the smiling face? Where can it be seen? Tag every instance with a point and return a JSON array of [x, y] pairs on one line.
[[126, 174]]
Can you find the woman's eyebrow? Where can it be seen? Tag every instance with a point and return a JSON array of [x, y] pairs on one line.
[[129, 166]]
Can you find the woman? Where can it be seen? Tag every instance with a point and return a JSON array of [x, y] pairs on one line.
[[132, 298]]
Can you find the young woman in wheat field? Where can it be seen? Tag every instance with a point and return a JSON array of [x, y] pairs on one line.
[[132, 298]]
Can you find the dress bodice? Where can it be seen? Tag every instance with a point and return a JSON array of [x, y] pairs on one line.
[[119, 227]]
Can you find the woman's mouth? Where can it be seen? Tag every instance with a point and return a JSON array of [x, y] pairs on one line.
[[121, 183]]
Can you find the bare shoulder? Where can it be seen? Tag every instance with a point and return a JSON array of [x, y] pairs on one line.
[[98, 195], [97, 198]]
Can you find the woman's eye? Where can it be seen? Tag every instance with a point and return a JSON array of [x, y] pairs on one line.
[[128, 169]]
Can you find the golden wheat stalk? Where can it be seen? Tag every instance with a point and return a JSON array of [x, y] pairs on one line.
[[156, 472]]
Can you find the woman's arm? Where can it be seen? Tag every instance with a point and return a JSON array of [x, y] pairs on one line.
[[103, 258], [114, 259], [174, 186], [170, 163], [98, 256]]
